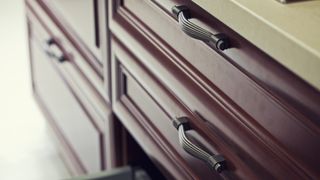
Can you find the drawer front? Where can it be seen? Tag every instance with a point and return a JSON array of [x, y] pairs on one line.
[[155, 118], [60, 99], [66, 111], [92, 98], [96, 73], [238, 131], [266, 98], [138, 93], [241, 72]]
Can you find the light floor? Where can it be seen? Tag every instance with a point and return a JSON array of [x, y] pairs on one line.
[[27, 150]]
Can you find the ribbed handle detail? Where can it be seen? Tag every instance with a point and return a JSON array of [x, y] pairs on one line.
[[182, 14], [216, 162]]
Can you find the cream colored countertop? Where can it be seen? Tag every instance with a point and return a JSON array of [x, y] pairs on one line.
[[290, 33]]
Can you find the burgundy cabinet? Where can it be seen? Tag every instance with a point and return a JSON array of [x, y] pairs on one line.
[[90, 59], [75, 108], [141, 99], [171, 89], [244, 97], [84, 18]]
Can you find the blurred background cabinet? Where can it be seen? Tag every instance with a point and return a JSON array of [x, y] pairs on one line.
[[69, 87]]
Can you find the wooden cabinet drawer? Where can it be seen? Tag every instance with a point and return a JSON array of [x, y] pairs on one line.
[[243, 72], [78, 52], [91, 91], [262, 96], [69, 116], [149, 103], [238, 131], [153, 107], [76, 109]]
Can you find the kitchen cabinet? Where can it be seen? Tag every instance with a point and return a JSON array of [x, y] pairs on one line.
[[74, 107], [167, 84]]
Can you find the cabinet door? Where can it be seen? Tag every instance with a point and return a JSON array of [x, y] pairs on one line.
[[84, 17], [83, 139], [80, 26]]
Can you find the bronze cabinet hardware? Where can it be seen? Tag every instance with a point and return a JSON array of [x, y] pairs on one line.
[[182, 14], [217, 162], [53, 51]]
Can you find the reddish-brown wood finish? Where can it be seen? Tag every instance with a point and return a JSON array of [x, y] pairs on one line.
[[73, 162], [250, 61], [72, 58], [68, 115], [84, 19], [56, 86], [155, 117], [59, 21], [95, 72], [241, 103], [242, 95]]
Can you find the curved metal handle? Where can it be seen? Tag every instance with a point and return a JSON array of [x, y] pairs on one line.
[[217, 162], [53, 51], [182, 14]]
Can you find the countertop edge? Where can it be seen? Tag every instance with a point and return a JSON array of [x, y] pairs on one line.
[[288, 51]]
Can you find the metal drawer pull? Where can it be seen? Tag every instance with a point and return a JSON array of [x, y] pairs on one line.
[[217, 162], [182, 14], [53, 51]]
